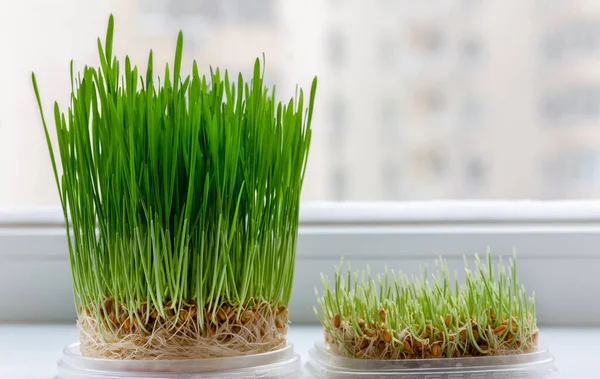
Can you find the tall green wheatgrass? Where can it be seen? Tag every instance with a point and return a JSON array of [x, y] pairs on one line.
[[179, 189]]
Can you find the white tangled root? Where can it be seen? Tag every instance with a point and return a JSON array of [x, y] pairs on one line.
[[258, 330]]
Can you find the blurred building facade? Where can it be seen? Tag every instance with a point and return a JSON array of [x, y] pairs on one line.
[[446, 99], [461, 99]]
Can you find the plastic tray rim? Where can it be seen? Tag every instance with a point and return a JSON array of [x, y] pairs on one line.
[[281, 362], [539, 364]]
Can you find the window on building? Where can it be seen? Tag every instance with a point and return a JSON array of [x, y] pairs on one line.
[[336, 49], [428, 40], [471, 50], [203, 8], [389, 117], [552, 48], [433, 101], [430, 163], [387, 51], [470, 114], [585, 168], [339, 184], [572, 104], [253, 12], [574, 38], [471, 4], [578, 170], [390, 179], [475, 172], [338, 121], [153, 6]]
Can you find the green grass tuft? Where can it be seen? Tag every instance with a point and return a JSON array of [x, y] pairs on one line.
[[180, 187], [401, 316]]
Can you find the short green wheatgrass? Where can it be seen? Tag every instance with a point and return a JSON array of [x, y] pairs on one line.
[[180, 188], [400, 316]]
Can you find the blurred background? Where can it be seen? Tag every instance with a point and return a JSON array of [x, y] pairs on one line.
[[417, 100]]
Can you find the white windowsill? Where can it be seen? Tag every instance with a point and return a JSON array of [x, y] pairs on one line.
[[385, 213], [449, 211], [555, 242], [31, 351]]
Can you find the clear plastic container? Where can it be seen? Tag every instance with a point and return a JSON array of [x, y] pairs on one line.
[[282, 363], [325, 365]]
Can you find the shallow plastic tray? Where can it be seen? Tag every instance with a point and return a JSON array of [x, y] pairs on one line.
[[282, 363], [325, 365]]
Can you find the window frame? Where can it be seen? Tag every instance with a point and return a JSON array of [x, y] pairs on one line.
[[556, 244]]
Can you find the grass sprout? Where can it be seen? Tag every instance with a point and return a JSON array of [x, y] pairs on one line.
[[397, 316], [180, 193]]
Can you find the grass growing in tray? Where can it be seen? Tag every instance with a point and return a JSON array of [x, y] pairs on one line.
[[181, 193], [401, 317]]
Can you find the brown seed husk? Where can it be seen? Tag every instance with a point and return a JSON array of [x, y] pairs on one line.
[[336, 321], [436, 351], [364, 343], [382, 315], [387, 336], [144, 334], [499, 330], [345, 340]]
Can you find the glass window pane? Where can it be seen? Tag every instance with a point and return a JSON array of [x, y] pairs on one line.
[[444, 99]]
